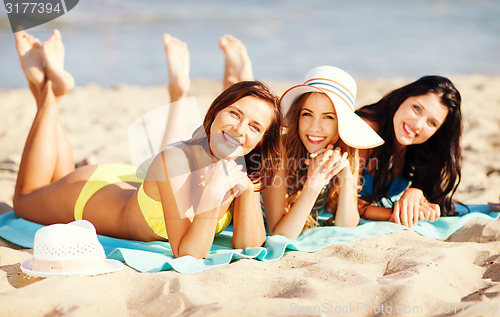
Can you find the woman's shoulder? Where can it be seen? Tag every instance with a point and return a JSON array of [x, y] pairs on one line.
[[177, 151], [170, 159]]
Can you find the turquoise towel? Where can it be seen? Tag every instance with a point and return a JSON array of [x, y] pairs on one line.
[[157, 256]]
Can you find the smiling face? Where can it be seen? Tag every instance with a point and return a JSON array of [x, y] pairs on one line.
[[318, 125], [240, 127], [418, 118]]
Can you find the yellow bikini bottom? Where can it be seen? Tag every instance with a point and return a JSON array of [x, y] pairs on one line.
[[107, 174]]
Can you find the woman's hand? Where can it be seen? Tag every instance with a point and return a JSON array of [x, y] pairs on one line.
[[413, 207], [222, 178], [429, 212], [226, 175], [323, 165], [406, 209]]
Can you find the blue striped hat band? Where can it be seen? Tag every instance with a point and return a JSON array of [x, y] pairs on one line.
[[338, 89]]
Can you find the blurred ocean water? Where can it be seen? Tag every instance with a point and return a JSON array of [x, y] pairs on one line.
[[111, 42]]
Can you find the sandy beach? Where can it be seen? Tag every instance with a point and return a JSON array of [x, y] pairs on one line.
[[400, 272]]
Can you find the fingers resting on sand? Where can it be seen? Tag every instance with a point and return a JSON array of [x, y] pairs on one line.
[[42, 62]]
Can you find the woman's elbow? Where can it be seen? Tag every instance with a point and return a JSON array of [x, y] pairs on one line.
[[256, 241], [278, 229], [198, 254], [291, 235], [350, 223]]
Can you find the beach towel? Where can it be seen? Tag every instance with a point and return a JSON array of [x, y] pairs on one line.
[[157, 256]]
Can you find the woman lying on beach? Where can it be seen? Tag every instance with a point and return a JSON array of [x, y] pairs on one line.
[[298, 190], [418, 169], [238, 67], [320, 159], [313, 138], [192, 188]]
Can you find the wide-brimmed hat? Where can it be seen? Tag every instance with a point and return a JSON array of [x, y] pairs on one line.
[[68, 249], [341, 88]]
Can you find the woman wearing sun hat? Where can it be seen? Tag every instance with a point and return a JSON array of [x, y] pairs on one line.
[[320, 159]]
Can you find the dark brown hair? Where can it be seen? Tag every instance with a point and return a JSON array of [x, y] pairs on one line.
[[433, 166]]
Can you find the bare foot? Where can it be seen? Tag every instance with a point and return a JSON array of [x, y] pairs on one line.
[[53, 52], [238, 66], [30, 53], [178, 67]]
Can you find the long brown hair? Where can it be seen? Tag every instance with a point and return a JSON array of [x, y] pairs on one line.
[[262, 161], [296, 154]]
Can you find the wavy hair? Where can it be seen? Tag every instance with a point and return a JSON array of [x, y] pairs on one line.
[[433, 166], [296, 154]]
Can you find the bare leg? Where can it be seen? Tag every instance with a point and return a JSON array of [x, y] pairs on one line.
[[53, 52], [30, 54], [37, 196], [41, 146], [178, 85], [65, 160], [238, 66], [178, 67], [62, 82]]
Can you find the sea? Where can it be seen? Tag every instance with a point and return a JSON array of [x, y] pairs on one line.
[[115, 42]]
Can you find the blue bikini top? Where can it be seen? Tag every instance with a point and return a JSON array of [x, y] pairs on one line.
[[398, 186]]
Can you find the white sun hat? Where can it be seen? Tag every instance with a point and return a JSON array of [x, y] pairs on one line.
[[341, 88], [68, 249]]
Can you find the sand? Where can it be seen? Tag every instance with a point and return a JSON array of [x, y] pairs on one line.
[[402, 273]]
